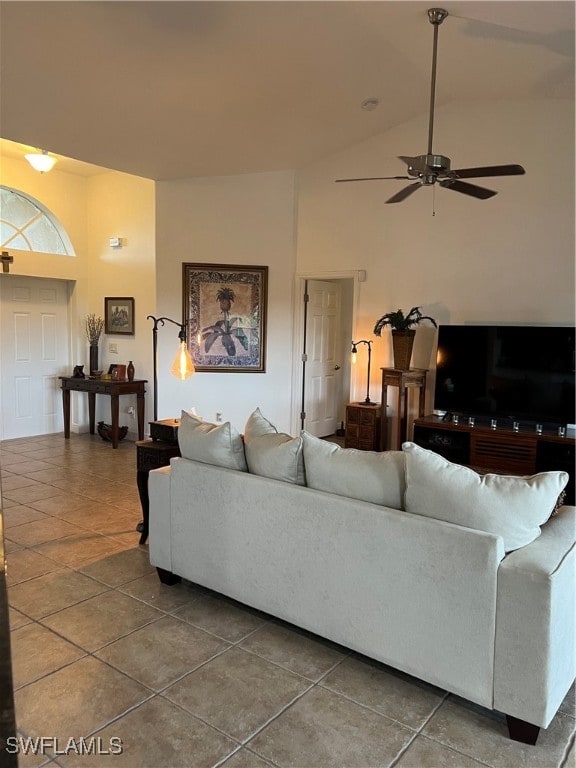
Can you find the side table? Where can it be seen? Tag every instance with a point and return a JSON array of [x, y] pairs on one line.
[[363, 427], [150, 454], [415, 378]]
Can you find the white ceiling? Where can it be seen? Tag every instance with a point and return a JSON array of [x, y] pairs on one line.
[[170, 90]]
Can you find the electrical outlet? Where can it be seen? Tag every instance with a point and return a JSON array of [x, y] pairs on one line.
[[113, 348], [218, 417]]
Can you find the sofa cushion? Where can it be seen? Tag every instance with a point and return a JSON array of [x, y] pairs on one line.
[[218, 444], [508, 506], [364, 475], [271, 453]]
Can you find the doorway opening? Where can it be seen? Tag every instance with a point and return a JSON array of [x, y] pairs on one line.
[[324, 326]]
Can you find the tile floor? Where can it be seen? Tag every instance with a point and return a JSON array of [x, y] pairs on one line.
[[183, 677]]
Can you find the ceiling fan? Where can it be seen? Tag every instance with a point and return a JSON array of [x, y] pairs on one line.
[[431, 168]]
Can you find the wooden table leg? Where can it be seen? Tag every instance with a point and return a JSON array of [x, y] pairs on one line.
[[142, 483], [401, 417], [422, 400], [115, 411], [66, 407], [92, 411], [140, 412], [384, 420], [406, 418]]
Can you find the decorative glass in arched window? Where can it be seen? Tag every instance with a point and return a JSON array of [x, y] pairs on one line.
[[27, 225]]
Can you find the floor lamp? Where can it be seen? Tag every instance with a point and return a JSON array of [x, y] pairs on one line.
[[354, 356], [182, 367]]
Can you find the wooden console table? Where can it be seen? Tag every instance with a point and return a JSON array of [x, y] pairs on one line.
[[415, 378], [113, 389]]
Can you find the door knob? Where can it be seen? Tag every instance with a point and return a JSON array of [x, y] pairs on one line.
[[336, 367]]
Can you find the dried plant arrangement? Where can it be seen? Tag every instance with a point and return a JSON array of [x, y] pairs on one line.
[[94, 327]]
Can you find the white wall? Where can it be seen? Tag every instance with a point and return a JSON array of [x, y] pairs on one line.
[[228, 220], [509, 259], [93, 209], [121, 205]]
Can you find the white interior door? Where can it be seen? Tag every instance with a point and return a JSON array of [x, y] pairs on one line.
[[323, 369], [33, 353]]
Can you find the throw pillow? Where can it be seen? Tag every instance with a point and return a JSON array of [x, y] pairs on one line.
[[271, 453], [218, 444], [364, 475], [508, 506]]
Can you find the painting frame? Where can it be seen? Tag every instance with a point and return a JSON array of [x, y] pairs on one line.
[[217, 340], [119, 316]]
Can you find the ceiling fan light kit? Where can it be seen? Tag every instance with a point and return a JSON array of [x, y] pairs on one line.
[[431, 168]]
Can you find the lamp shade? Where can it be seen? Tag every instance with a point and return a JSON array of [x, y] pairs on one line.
[[182, 367], [41, 161]]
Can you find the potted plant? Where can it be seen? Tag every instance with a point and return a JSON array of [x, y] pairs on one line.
[[402, 333]]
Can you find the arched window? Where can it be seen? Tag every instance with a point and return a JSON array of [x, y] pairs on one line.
[[28, 225]]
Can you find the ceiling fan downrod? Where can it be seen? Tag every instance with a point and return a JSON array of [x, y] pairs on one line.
[[436, 16]]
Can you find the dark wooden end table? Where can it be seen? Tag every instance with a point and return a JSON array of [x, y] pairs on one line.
[[150, 454]]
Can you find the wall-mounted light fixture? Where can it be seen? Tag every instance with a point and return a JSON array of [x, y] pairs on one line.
[[41, 161], [354, 358], [182, 367]]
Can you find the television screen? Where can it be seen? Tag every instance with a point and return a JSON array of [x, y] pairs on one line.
[[525, 373]]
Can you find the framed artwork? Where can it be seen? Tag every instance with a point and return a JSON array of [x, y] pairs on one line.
[[225, 316], [119, 315]]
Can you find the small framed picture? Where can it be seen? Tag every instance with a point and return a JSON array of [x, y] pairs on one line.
[[119, 315]]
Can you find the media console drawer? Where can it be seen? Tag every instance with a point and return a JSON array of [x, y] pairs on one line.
[[493, 450]]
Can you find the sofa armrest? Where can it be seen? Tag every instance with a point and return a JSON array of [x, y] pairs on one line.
[[535, 652], [160, 522]]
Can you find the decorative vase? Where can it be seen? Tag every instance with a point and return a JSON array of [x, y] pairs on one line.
[[130, 370], [93, 358], [402, 344]]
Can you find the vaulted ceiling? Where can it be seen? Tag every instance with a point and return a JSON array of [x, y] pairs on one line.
[[170, 90]]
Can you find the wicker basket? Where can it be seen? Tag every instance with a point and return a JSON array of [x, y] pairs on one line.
[[402, 343], [105, 431]]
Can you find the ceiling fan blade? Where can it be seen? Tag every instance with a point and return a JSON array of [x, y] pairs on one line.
[[468, 189], [489, 170], [375, 178], [404, 193]]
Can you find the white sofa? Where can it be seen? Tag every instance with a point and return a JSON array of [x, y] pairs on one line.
[[438, 600]]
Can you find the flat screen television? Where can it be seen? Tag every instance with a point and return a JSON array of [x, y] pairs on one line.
[[522, 373]]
